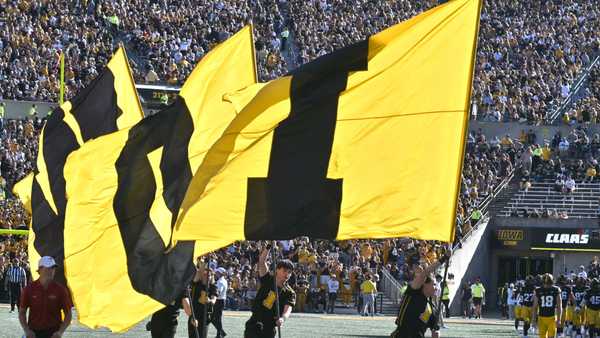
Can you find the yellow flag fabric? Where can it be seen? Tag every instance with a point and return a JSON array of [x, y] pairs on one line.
[[121, 210], [23, 190], [110, 102], [366, 142]]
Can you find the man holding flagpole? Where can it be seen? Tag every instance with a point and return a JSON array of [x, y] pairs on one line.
[[265, 317]]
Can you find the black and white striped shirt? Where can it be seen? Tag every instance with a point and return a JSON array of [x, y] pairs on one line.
[[16, 274]]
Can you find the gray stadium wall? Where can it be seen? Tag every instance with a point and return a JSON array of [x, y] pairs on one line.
[[493, 129]]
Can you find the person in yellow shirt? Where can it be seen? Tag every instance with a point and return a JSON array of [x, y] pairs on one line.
[[590, 174], [366, 251], [387, 248], [303, 256], [506, 141], [431, 256], [478, 292], [368, 289], [345, 291], [546, 152], [523, 136], [301, 295]]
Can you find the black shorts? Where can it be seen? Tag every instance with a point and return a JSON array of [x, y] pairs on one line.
[[476, 301], [45, 333], [256, 329]]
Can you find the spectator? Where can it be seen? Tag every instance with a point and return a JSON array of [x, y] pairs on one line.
[[46, 301], [569, 186], [333, 286], [368, 291], [466, 295]]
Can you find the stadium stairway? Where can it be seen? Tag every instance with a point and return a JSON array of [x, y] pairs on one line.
[[387, 307], [504, 197], [384, 306], [578, 90], [290, 54], [582, 203]]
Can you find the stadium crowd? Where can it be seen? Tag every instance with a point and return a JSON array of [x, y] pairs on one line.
[[587, 108], [33, 33], [529, 52]]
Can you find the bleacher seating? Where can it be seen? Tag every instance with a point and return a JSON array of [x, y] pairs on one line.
[[582, 203]]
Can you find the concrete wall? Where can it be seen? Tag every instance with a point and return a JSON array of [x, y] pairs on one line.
[[493, 129], [498, 222], [479, 266], [20, 109], [462, 258]]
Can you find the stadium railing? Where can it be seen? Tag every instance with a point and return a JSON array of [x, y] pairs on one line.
[[560, 110], [390, 286], [483, 207]]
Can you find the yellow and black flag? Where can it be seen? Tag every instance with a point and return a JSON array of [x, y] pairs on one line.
[[121, 210], [366, 142], [108, 104], [23, 190]]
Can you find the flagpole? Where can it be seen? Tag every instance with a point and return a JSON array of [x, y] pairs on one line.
[[273, 258], [205, 312], [61, 97], [189, 294]]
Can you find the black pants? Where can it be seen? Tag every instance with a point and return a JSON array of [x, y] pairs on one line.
[[15, 294], [192, 329], [166, 331], [45, 333], [161, 328], [446, 303], [256, 329], [217, 317], [331, 302]]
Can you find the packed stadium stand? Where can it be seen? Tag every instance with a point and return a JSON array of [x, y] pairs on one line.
[[530, 54]]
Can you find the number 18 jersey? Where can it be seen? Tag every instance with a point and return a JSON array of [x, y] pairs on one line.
[[547, 300]]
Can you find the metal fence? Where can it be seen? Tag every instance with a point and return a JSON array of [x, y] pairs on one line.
[[390, 286]]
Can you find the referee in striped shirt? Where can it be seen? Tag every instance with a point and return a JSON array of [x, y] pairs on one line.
[[17, 279]]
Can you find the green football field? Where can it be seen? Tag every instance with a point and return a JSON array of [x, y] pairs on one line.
[[299, 326]]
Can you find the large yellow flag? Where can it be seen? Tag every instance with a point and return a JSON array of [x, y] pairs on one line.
[[106, 105], [121, 209], [23, 190], [366, 142]]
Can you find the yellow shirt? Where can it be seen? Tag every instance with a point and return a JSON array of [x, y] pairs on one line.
[[506, 141], [546, 153], [366, 251], [368, 287], [590, 172], [302, 256], [477, 290]]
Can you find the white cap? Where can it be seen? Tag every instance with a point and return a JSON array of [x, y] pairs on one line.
[[47, 262], [221, 271]]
